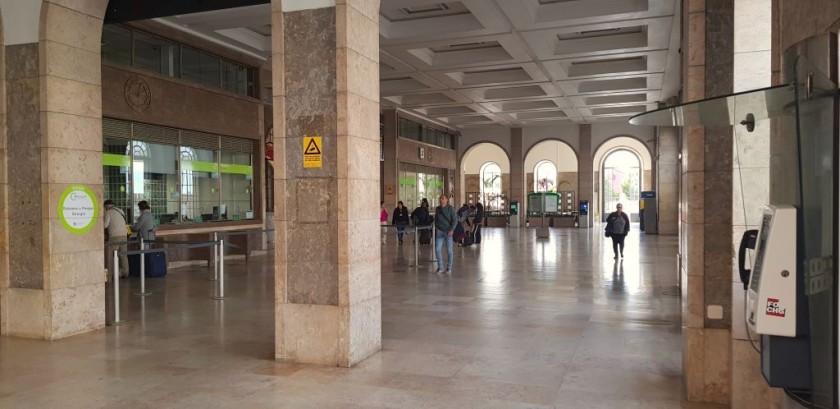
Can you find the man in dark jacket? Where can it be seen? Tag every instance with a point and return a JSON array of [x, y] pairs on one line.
[[478, 221], [618, 225], [445, 222], [400, 219]]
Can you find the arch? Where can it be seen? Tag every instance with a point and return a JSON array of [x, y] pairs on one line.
[[472, 166], [473, 145], [565, 163], [619, 142], [543, 140]]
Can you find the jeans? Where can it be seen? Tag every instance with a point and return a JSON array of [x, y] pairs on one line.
[[618, 243], [477, 234], [400, 232], [440, 237], [384, 232]]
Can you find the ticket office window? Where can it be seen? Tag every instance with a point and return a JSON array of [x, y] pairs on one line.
[[182, 183]]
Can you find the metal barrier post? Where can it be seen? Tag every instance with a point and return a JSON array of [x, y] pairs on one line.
[[116, 278], [434, 244], [142, 292], [221, 288], [215, 276], [416, 248]]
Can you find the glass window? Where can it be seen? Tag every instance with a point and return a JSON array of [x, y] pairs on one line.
[[155, 54], [545, 177], [199, 184], [491, 186], [155, 179], [200, 67], [116, 172], [236, 78], [237, 176], [621, 176], [116, 44]]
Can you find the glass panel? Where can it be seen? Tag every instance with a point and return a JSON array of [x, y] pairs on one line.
[[622, 173], [155, 54], [200, 67], [816, 139], [116, 44], [237, 177], [199, 184], [234, 78], [252, 82], [116, 173], [155, 179], [728, 110]]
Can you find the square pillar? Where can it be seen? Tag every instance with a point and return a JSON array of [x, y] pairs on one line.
[[586, 176], [327, 273], [517, 174], [53, 287]]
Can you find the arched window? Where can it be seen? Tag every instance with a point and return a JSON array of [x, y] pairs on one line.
[[621, 181], [491, 186], [545, 177]]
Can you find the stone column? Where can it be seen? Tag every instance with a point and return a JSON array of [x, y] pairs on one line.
[[328, 305], [518, 192], [667, 179], [54, 140], [706, 225], [391, 174], [586, 181]]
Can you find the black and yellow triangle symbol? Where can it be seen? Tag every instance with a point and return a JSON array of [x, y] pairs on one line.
[[312, 148]]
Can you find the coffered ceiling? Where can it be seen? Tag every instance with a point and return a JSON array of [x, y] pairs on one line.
[[477, 63]]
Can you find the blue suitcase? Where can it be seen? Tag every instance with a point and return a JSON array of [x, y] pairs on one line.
[[155, 265]]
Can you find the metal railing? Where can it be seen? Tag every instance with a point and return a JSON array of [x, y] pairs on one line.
[[218, 248]]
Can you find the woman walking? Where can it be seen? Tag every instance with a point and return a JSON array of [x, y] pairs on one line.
[[618, 225], [400, 219]]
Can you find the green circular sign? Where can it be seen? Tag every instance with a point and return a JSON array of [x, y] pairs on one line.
[[77, 209]]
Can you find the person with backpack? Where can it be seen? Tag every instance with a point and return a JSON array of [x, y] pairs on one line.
[[618, 225], [420, 217], [400, 219], [445, 222], [478, 221], [115, 231]]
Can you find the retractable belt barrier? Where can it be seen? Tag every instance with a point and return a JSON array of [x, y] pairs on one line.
[[408, 230], [217, 245]]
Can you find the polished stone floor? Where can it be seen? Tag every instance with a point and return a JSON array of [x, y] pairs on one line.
[[521, 323]]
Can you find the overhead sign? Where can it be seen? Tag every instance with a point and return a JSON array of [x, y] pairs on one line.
[[312, 149], [77, 209]]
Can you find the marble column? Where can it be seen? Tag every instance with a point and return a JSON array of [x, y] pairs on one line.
[[328, 298], [54, 140], [586, 176], [518, 191], [667, 180], [706, 202]]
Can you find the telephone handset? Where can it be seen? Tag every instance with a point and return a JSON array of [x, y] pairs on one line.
[[747, 242]]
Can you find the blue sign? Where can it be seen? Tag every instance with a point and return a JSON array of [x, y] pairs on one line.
[[649, 195]]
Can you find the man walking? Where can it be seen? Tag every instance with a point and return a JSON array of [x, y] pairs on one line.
[[445, 222]]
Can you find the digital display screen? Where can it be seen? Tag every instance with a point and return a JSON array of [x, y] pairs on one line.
[[761, 250]]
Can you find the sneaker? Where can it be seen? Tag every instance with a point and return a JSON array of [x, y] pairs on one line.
[[449, 271], [439, 271]]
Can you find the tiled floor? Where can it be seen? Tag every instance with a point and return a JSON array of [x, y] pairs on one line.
[[521, 324]]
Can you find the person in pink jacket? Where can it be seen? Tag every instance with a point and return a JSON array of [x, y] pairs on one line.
[[383, 220]]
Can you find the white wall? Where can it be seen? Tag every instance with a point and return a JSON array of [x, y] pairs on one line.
[[470, 137], [532, 136], [623, 142], [555, 151], [601, 132], [480, 154]]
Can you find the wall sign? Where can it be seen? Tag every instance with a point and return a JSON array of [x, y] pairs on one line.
[[138, 95], [422, 153], [77, 209], [312, 148]]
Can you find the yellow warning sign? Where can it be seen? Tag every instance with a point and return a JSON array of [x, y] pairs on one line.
[[312, 152]]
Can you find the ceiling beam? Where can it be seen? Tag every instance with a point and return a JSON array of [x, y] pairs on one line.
[[121, 11]]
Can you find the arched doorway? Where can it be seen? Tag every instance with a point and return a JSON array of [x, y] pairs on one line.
[[621, 179], [622, 168], [485, 177], [552, 166]]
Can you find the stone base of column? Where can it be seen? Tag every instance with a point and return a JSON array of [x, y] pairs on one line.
[[51, 314], [329, 335]]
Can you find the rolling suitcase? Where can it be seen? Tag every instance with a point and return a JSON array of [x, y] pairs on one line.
[[155, 265], [425, 236]]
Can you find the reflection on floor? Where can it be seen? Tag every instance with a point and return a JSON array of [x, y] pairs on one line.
[[520, 324]]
